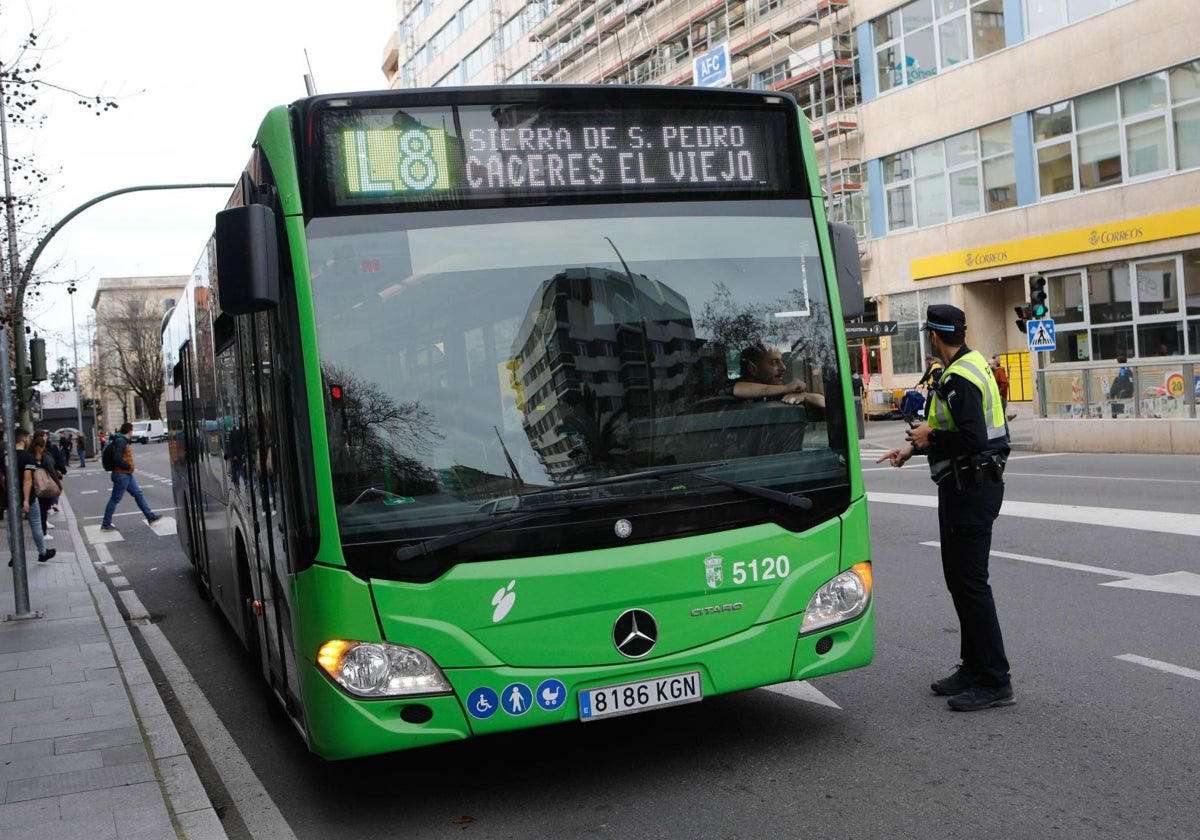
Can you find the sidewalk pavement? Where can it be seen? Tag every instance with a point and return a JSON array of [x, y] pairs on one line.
[[87, 749]]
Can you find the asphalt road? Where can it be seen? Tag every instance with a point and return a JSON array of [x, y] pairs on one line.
[[1098, 593]]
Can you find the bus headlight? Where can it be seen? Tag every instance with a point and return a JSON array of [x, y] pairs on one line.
[[379, 669], [842, 599]]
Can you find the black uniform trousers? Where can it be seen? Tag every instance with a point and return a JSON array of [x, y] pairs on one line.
[[965, 519]]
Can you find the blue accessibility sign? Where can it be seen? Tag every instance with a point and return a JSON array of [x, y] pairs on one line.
[[516, 699], [482, 703], [551, 694], [1041, 334]]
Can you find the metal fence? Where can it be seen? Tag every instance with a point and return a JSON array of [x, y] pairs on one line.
[[1164, 387]]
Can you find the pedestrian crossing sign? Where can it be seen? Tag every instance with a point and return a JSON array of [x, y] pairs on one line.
[[1041, 334]]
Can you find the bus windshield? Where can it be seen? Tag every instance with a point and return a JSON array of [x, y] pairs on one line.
[[509, 371]]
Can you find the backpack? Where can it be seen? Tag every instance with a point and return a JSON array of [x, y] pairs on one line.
[[1122, 386], [44, 487], [108, 457]]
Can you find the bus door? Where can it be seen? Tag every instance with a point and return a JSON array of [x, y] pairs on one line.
[[193, 440], [267, 558]]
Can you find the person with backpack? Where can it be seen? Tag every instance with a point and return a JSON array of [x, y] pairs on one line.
[[1121, 387], [118, 457]]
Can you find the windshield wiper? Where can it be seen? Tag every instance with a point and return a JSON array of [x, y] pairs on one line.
[[695, 471], [789, 499], [425, 547]]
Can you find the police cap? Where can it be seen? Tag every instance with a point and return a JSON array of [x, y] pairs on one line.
[[944, 318]]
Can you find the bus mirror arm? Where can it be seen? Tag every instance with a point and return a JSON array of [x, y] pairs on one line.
[[247, 259]]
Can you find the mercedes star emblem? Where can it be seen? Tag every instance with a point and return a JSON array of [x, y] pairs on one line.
[[635, 633]]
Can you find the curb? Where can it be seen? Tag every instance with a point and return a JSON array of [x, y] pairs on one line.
[[184, 796]]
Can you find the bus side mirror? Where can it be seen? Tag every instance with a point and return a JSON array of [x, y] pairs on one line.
[[848, 268], [247, 260]]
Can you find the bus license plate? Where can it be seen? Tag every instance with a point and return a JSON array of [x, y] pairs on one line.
[[630, 697]]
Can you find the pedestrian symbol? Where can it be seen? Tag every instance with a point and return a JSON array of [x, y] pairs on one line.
[[1041, 334], [515, 699]]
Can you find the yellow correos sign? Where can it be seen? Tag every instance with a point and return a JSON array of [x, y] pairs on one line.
[[1078, 241]]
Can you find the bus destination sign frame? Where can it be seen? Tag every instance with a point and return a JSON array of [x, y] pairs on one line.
[[537, 152]]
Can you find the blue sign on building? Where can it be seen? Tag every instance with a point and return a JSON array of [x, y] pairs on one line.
[[712, 69]]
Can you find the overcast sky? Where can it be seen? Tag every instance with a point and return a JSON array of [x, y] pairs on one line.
[[193, 81]]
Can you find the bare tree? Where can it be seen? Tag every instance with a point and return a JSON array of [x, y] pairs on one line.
[[62, 378], [131, 352], [21, 86]]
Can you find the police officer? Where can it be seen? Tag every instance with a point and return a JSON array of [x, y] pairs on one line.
[[966, 441]]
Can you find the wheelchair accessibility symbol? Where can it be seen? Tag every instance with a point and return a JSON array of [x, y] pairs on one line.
[[482, 703]]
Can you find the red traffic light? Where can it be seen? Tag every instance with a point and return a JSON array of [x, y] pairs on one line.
[[1022, 316]]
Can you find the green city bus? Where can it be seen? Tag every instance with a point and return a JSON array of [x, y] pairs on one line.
[[454, 441]]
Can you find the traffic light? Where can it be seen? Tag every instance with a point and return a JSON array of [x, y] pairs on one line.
[[37, 359], [1022, 316], [1038, 308]]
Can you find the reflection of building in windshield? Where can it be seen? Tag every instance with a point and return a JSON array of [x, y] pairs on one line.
[[596, 350]]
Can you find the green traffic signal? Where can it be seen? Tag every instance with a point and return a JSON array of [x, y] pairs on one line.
[[1038, 307]]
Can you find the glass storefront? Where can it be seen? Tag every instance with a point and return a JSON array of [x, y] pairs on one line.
[[1136, 308]]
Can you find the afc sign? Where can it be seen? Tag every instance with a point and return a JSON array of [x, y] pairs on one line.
[[711, 69]]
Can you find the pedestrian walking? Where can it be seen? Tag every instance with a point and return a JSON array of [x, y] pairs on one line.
[[123, 481], [1001, 376], [80, 446], [27, 465], [44, 451], [966, 441]]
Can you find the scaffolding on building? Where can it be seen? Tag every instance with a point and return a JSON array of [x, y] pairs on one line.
[[803, 48]]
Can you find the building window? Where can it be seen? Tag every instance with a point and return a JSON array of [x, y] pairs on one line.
[[924, 37], [1042, 16], [999, 170], [471, 11], [477, 60], [1131, 308], [1185, 95], [444, 36], [955, 178], [908, 311], [522, 77], [1119, 134]]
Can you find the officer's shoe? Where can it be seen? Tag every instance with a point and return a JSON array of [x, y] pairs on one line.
[[958, 681], [981, 697]]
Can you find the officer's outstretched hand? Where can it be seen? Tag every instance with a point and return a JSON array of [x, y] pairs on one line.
[[897, 457]]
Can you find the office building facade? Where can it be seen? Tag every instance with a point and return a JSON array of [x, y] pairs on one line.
[[971, 143]]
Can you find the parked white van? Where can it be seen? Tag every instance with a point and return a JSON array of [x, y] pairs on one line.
[[148, 431]]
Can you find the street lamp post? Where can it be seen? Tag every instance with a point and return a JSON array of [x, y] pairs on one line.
[[75, 349]]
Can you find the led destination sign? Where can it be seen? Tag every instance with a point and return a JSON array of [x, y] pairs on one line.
[[467, 152]]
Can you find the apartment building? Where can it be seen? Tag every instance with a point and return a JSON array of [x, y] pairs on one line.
[[972, 143]]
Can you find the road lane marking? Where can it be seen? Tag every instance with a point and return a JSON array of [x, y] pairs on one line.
[[802, 691], [1180, 583], [1184, 524], [258, 811], [1174, 583], [1178, 670]]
